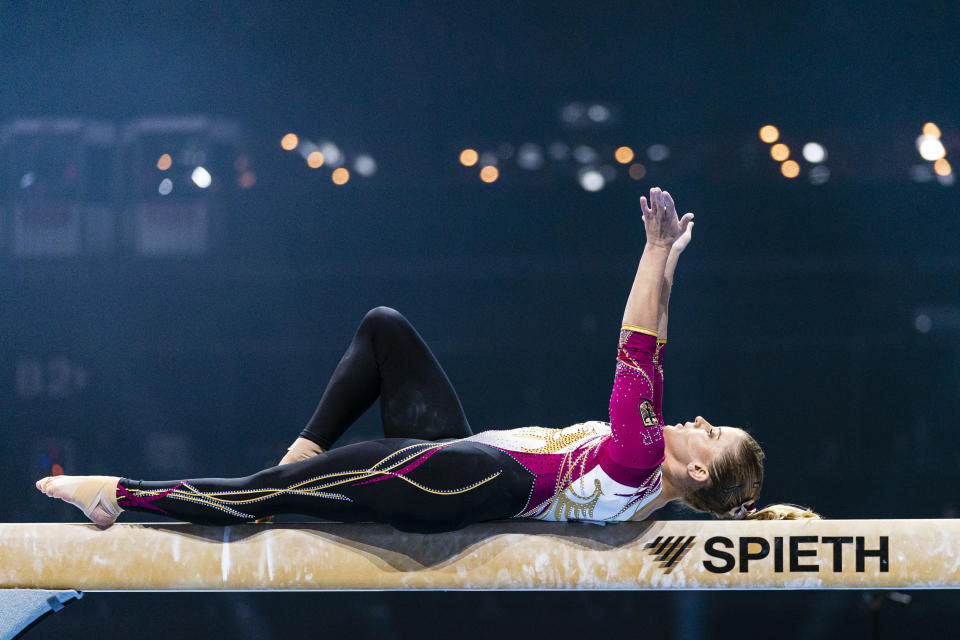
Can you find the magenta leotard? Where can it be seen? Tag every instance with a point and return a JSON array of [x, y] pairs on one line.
[[598, 471]]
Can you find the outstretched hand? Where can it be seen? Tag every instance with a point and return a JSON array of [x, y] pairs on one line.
[[660, 220], [686, 234]]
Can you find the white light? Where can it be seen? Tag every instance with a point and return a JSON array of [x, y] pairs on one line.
[[592, 180], [930, 148], [921, 173], [365, 165], [331, 154], [947, 180], [559, 151], [814, 152], [598, 113], [584, 154], [658, 152], [819, 174], [201, 177], [166, 186], [572, 112], [529, 157], [28, 179], [923, 323]]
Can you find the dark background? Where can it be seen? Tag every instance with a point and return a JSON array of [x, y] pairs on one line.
[[796, 312]]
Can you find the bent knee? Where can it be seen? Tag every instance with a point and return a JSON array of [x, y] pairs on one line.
[[383, 317]]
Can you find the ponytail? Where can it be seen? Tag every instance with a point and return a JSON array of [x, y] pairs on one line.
[[784, 512]]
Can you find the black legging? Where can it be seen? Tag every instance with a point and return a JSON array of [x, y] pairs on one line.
[[416, 478]]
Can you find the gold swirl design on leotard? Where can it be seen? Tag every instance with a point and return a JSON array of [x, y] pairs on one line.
[[318, 486], [570, 505], [554, 440]]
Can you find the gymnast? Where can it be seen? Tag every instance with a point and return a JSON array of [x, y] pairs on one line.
[[431, 473]]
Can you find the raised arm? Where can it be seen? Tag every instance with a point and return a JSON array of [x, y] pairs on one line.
[[637, 441]]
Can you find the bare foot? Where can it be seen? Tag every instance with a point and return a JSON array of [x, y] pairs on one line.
[[96, 496]]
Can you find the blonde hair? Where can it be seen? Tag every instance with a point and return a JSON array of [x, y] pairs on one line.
[[736, 478]]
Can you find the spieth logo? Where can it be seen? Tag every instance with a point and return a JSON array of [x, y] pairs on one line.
[[668, 551], [791, 554]]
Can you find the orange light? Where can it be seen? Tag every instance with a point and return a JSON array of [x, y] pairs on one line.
[[469, 157], [942, 167], [164, 162], [315, 160], [247, 179], [624, 155], [637, 171], [779, 152], [931, 130], [769, 133], [790, 169], [56, 470], [489, 173], [340, 176], [289, 141]]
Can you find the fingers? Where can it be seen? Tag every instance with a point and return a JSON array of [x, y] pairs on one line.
[[644, 207], [685, 220], [669, 209]]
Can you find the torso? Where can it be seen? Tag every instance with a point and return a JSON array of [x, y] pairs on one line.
[[570, 480]]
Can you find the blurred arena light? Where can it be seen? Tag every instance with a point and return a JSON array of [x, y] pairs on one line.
[[201, 177], [819, 174], [930, 148], [247, 179], [932, 130], [489, 173], [769, 133], [592, 180], [637, 171], [529, 156], [27, 180], [331, 153], [164, 162], [942, 167], [598, 113], [166, 186], [779, 152], [469, 157], [315, 159], [948, 179], [790, 169], [340, 176], [365, 165], [289, 141], [623, 155], [814, 152], [922, 323], [658, 152], [571, 112], [584, 154]]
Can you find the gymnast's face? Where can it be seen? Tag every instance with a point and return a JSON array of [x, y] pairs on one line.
[[698, 444]]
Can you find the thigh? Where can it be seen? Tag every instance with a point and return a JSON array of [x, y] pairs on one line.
[[417, 399]]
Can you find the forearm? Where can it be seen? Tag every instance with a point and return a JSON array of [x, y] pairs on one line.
[[643, 303], [665, 286]]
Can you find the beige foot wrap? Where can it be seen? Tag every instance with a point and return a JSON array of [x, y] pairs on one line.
[[301, 449], [96, 496]]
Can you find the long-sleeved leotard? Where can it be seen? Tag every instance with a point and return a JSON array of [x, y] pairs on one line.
[[590, 471]]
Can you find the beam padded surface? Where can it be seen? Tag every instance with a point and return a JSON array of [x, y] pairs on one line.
[[862, 554]]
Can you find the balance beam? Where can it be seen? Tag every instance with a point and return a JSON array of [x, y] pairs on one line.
[[805, 554]]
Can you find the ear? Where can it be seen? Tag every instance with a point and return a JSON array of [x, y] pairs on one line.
[[697, 472]]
